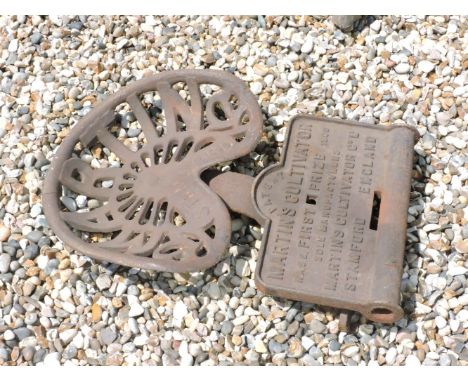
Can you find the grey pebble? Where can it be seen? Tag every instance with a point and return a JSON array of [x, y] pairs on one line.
[[4, 354], [23, 110], [70, 352], [4, 262], [34, 236], [271, 61], [309, 360], [315, 352], [36, 210], [39, 355], [131, 133], [28, 353], [317, 327], [291, 314], [275, 347], [9, 250], [69, 203], [226, 327], [103, 281], [36, 38], [31, 251], [76, 25], [133, 290], [334, 345], [22, 333]]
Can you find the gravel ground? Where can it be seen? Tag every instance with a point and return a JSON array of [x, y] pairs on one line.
[[58, 307]]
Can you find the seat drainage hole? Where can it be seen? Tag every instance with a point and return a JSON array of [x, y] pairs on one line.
[[201, 252]]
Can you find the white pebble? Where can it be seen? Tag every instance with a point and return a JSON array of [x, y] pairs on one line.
[[52, 359], [135, 308], [412, 360], [8, 335], [13, 46], [402, 68], [426, 66], [256, 87], [391, 355], [179, 311], [307, 46]]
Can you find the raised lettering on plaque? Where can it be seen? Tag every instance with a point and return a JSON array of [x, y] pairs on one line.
[[336, 210]]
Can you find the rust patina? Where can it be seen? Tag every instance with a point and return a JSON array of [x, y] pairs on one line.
[[158, 214], [334, 209]]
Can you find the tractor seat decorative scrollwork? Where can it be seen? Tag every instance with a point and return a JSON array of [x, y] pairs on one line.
[[136, 160]]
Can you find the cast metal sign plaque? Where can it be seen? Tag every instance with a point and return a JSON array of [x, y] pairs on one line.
[[336, 212]]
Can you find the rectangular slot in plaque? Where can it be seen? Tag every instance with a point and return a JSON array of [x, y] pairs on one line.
[[374, 220]]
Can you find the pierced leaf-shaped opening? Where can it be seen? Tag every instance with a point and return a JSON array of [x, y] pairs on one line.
[[161, 214], [148, 211], [239, 137], [184, 150], [152, 104], [211, 231], [207, 91], [136, 166], [103, 183], [134, 209], [146, 159], [127, 129], [177, 219], [200, 252], [159, 155], [172, 149], [182, 88], [204, 144], [219, 112], [245, 119], [234, 101], [75, 174]]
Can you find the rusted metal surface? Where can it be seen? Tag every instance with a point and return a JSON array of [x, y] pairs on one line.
[[157, 213], [235, 189], [334, 209], [336, 213]]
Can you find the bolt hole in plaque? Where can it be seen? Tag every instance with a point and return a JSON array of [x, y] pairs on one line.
[[311, 200], [382, 314]]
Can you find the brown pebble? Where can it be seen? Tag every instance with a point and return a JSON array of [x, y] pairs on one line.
[[421, 354], [4, 233], [295, 348], [308, 317], [96, 312], [433, 268], [462, 246], [117, 302], [236, 340]]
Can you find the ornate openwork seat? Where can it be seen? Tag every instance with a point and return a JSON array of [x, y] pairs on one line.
[[137, 158]]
